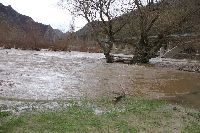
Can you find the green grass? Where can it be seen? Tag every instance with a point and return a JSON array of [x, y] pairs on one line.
[[4, 114], [128, 116]]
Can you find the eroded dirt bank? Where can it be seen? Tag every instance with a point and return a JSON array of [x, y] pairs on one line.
[[44, 75]]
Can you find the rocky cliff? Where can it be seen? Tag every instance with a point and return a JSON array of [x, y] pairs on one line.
[[17, 30]]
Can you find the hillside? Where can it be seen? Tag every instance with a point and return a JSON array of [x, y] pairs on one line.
[[192, 24], [20, 31], [131, 30]]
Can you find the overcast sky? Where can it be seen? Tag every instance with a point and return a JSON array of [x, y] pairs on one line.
[[44, 11]]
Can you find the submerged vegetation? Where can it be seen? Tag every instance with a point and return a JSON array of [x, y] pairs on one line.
[[101, 115]]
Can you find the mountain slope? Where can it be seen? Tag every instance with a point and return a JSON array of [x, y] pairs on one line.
[[192, 25], [22, 31]]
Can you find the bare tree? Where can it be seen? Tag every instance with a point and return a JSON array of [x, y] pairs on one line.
[[146, 18], [158, 18], [101, 16]]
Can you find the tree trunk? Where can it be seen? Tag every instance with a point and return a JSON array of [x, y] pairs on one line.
[[109, 58], [106, 50], [141, 56], [142, 51]]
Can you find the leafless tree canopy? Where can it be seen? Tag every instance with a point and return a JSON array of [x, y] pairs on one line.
[[108, 17]]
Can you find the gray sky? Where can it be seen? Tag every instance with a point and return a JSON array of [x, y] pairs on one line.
[[44, 11]]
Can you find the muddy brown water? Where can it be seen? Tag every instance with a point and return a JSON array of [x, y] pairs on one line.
[[176, 86], [45, 75]]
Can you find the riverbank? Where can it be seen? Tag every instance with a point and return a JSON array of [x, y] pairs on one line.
[[180, 64], [102, 115], [45, 91]]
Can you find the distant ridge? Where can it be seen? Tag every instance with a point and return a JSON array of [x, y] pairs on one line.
[[22, 31], [59, 33]]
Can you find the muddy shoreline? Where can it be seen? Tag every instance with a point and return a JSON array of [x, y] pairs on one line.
[[45, 75]]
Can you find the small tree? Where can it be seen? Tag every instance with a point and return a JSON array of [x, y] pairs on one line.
[[101, 16]]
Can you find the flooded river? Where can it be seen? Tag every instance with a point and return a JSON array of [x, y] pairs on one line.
[[44, 75]]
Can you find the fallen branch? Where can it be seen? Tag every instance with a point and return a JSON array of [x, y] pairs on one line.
[[119, 96]]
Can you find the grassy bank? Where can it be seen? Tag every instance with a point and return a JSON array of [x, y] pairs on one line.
[[128, 115]]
